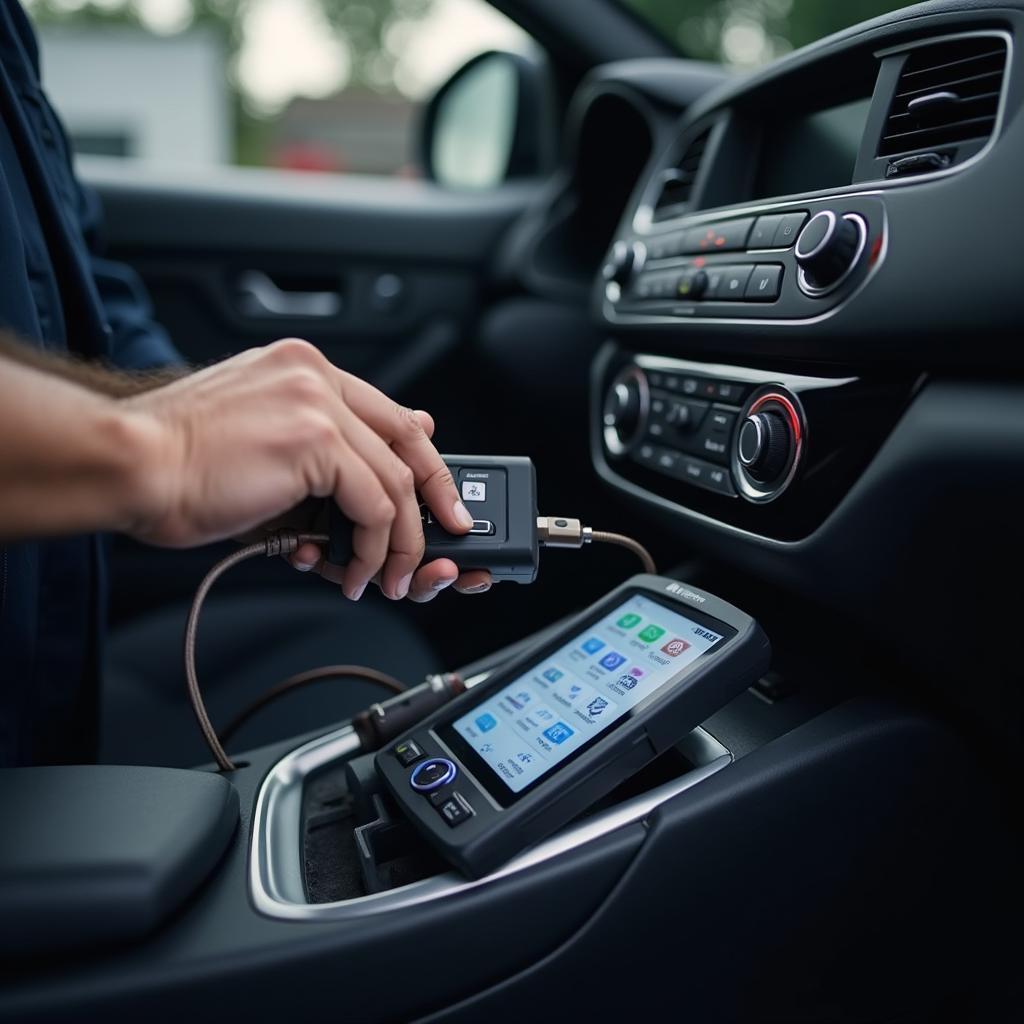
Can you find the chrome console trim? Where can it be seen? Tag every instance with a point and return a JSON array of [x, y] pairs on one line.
[[275, 855]]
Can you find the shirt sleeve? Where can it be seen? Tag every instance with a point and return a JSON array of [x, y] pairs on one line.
[[137, 341]]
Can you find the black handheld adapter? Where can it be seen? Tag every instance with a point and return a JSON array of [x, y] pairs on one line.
[[501, 495]]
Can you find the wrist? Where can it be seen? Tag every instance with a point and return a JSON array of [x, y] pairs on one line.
[[142, 468]]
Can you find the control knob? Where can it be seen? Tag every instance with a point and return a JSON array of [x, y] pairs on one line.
[[624, 260], [625, 409], [768, 446], [828, 249], [763, 445]]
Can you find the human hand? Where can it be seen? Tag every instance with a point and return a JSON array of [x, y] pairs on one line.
[[241, 442]]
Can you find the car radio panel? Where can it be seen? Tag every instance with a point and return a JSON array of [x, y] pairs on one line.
[[782, 263]]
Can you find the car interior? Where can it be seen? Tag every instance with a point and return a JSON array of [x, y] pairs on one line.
[[766, 324]]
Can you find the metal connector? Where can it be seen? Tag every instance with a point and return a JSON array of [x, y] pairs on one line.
[[555, 532]]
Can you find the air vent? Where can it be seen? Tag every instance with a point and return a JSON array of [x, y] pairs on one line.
[[947, 96], [677, 182]]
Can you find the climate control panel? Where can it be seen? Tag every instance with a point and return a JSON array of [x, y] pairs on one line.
[[786, 262], [765, 451], [725, 436]]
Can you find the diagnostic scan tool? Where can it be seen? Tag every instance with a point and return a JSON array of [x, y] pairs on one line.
[[523, 753]]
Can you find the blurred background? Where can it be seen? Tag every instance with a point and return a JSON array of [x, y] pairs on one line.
[[328, 85]]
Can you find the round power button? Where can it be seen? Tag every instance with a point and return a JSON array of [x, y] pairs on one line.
[[432, 774]]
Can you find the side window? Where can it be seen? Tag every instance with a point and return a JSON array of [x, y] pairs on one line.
[[326, 85]]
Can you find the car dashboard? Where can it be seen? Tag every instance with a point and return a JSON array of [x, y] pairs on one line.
[[810, 368]]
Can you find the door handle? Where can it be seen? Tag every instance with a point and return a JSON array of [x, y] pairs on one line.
[[259, 296]]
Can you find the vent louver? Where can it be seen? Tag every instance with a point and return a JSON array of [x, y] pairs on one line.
[[947, 94], [677, 181]]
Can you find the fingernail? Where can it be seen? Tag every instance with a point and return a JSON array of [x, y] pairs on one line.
[[304, 566], [478, 589], [462, 515], [442, 583], [403, 585], [357, 593]]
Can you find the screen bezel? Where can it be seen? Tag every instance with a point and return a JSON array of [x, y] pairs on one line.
[[482, 771]]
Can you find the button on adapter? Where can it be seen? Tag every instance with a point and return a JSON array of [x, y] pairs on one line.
[[432, 774], [454, 809]]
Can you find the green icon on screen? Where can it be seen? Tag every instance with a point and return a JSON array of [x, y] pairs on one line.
[[628, 621], [651, 633]]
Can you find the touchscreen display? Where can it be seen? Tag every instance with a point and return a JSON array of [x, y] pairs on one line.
[[546, 714]]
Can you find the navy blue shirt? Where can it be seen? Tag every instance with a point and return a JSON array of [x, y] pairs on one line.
[[58, 293]]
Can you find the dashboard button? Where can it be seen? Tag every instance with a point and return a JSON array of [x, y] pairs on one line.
[[727, 236], [730, 391], [789, 227], [720, 421], [765, 283], [693, 470], [647, 455], [686, 414], [718, 479], [763, 235], [734, 283], [692, 285], [667, 460]]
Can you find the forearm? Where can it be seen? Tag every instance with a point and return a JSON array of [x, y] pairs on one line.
[[91, 375], [70, 459]]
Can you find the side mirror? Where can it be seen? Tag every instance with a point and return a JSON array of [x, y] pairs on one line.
[[490, 122]]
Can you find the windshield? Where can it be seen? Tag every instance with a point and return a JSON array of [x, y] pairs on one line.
[[746, 33]]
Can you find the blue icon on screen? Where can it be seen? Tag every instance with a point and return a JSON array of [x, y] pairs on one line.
[[558, 733], [552, 675], [486, 722], [593, 645], [612, 660]]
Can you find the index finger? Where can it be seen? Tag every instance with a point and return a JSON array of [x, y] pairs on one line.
[[404, 429]]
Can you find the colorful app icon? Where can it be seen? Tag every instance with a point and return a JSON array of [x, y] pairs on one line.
[[651, 633], [627, 681], [552, 675], [593, 645], [628, 621], [612, 660], [486, 722], [675, 647], [558, 733]]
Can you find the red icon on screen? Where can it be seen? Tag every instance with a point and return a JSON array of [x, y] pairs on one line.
[[675, 647]]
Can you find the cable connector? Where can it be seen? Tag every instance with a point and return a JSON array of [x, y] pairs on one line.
[[382, 722], [282, 542], [558, 532]]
